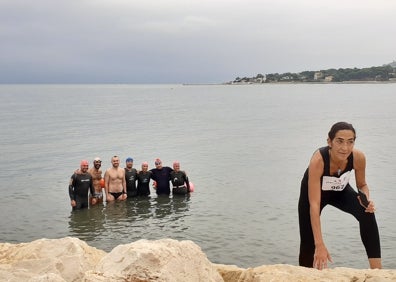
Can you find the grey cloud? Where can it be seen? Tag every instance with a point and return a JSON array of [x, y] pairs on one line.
[[188, 41]]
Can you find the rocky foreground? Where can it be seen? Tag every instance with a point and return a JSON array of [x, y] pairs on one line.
[[70, 259]]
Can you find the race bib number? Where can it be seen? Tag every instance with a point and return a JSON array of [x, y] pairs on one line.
[[332, 183]]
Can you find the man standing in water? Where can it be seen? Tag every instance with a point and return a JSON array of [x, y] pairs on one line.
[[130, 178], [161, 175], [115, 184], [96, 174], [79, 185]]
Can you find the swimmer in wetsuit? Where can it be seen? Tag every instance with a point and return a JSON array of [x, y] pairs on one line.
[[326, 181], [115, 184], [179, 179], [161, 175], [130, 178], [79, 186], [143, 179]]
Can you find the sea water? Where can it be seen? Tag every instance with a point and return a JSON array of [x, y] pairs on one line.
[[245, 147]]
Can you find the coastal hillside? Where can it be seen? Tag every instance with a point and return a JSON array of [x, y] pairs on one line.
[[386, 72]]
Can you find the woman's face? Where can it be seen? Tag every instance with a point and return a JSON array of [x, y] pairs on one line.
[[342, 144]]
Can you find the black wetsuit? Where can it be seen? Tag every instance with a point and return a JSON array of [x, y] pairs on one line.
[[130, 177], [345, 200], [162, 177], [79, 186], [143, 186], [180, 182]]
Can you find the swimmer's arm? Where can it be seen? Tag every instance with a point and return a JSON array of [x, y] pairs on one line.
[[71, 193], [124, 184], [314, 194], [107, 180], [71, 189], [152, 175], [321, 255], [91, 187], [359, 164], [187, 181]]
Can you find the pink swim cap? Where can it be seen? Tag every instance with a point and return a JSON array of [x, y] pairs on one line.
[[84, 162]]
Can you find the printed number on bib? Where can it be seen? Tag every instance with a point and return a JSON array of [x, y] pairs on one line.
[[332, 183]]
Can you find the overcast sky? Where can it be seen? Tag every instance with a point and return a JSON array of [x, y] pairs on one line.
[[188, 41]]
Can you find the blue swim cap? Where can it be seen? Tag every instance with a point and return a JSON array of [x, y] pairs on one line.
[[129, 159]]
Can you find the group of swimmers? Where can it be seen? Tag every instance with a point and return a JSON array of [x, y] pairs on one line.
[[86, 184]]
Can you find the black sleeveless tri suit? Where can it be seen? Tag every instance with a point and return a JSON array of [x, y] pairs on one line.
[[345, 200]]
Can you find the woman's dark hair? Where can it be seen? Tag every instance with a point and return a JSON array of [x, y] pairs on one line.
[[342, 125]]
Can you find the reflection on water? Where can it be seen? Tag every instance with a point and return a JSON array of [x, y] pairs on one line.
[[164, 206], [130, 220], [84, 224]]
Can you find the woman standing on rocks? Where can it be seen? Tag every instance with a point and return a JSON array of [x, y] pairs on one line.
[[326, 181]]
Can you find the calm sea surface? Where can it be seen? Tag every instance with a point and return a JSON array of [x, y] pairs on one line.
[[244, 147]]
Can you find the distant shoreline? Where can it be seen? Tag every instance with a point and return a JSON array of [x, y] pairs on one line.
[[319, 82], [293, 82]]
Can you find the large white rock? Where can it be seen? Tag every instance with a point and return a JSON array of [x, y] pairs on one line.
[[65, 259], [161, 260]]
